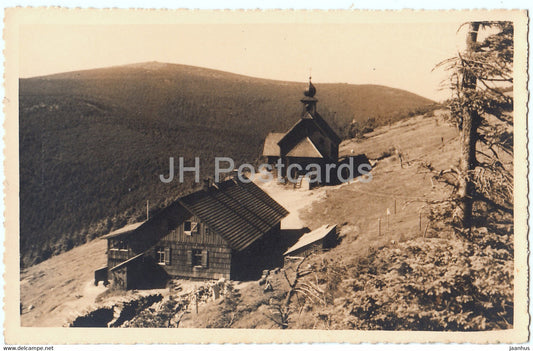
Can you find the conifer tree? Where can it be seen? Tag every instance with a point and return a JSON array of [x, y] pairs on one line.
[[481, 79]]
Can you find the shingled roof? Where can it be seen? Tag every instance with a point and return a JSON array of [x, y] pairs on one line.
[[239, 212], [126, 230], [311, 237]]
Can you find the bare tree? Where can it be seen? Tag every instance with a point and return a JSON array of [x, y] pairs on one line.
[[281, 311]]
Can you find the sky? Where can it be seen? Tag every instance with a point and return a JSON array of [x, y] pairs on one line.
[[397, 54]]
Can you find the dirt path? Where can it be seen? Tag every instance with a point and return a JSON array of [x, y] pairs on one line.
[[294, 200]]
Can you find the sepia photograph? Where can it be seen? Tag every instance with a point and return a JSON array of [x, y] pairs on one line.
[[352, 171]]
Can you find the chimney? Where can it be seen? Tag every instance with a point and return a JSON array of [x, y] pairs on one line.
[[208, 182], [147, 209]]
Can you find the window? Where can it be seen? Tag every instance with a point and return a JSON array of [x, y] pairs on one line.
[[160, 255], [119, 245], [190, 227], [197, 258]]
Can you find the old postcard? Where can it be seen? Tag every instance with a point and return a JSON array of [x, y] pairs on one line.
[[274, 176]]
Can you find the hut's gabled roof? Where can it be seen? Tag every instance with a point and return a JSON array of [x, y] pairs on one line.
[[124, 230], [239, 212]]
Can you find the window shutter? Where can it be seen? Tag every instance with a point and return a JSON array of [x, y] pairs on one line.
[[167, 255], [205, 255], [189, 257]]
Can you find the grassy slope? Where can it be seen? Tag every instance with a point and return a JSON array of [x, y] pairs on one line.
[[93, 143], [61, 286]]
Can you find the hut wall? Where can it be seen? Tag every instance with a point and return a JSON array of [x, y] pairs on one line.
[[265, 253], [195, 260], [116, 255], [356, 161], [145, 273], [271, 160], [202, 254]]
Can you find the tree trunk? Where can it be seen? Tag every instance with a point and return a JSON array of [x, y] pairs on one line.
[[469, 138]]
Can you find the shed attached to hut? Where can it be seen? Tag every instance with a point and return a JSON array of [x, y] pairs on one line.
[[317, 240]]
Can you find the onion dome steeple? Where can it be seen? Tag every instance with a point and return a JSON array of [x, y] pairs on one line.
[[309, 101], [311, 90]]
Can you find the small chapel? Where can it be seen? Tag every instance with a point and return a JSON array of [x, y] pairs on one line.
[[309, 141]]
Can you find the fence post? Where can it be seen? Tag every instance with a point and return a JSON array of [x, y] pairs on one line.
[[420, 220], [379, 226]]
